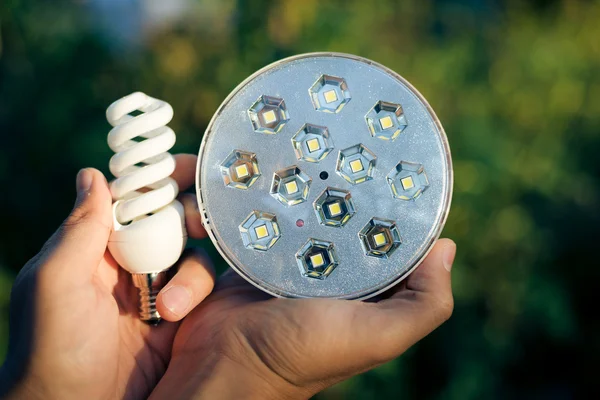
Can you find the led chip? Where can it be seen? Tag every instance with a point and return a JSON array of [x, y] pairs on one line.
[[313, 145], [407, 183], [291, 187], [379, 239], [317, 260], [242, 171], [356, 166], [261, 231], [330, 96], [269, 117], [334, 209], [386, 122]]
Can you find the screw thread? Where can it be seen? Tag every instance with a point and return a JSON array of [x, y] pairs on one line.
[[148, 311], [149, 286]]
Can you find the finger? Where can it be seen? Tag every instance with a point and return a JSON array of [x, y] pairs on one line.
[[193, 281], [416, 308], [79, 244], [185, 170], [236, 290], [193, 220], [427, 278]]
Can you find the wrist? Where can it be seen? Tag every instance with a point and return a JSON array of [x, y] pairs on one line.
[[218, 376]]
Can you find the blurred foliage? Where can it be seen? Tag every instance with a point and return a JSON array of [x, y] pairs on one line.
[[516, 85]]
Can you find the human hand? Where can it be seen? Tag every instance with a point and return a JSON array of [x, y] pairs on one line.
[[242, 343], [74, 326]]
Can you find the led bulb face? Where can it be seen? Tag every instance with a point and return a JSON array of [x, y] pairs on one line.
[[345, 178]]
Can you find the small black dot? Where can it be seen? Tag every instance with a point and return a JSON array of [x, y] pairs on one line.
[[323, 175]]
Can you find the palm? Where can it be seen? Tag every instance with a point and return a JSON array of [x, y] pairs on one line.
[[128, 357], [288, 336], [75, 330], [121, 356], [305, 345]]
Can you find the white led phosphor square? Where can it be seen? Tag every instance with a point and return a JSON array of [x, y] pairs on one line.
[[407, 183], [379, 239], [334, 209], [356, 166], [330, 96], [269, 117], [291, 187], [317, 260], [241, 171], [261, 231], [386, 122], [313, 145]]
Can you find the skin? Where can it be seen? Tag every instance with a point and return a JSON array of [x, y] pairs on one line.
[[75, 331]]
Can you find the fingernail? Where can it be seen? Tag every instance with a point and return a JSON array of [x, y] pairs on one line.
[[448, 256], [84, 180], [177, 299]]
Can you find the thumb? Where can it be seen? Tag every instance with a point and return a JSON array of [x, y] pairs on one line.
[[416, 307], [79, 244]]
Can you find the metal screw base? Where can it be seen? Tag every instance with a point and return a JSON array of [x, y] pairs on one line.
[[149, 285]]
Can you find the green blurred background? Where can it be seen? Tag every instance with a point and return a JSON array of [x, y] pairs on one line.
[[516, 85]]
